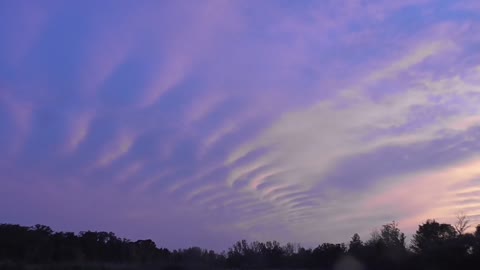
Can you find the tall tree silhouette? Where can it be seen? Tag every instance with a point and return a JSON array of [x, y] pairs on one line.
[[431, 235], [356, 245]]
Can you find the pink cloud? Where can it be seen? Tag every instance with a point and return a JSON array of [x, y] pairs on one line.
[[21, 113], [188, 46], [203, 107], [186, 184], [78, 130], [29, 22], [468, 5], [143, 185], [381, 10], [109, 45], [129, 171], [119, 146], [430, 194]]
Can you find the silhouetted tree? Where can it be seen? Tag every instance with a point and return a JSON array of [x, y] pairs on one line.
[[327, 254], [435, 245], [462, 223], [356, 245], [386, 248], [431, 235], [392, 237]]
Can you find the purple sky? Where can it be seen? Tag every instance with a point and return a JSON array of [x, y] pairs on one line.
[[206, 122]]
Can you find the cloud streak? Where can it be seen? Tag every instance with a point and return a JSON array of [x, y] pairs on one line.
[[285, 119], [307, 144]]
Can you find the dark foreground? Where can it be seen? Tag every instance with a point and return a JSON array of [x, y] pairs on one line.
[[433, 246]]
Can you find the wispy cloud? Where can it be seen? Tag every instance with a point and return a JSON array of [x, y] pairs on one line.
[[286, 120], [305, 145], [187, 47], [20, 112], [29, 21], [80, 126], [117, 148]]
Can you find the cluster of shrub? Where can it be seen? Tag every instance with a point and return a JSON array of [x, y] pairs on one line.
[[433, 246]]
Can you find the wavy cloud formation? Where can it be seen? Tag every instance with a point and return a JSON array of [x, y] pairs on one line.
[[296, 121], [307, 145]]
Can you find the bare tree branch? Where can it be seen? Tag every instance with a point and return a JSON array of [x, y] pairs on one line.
[[462, 224]]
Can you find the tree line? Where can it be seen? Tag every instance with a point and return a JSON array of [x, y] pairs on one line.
[[434, 246]]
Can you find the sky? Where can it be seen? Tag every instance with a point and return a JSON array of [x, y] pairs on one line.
[[200, 123]]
